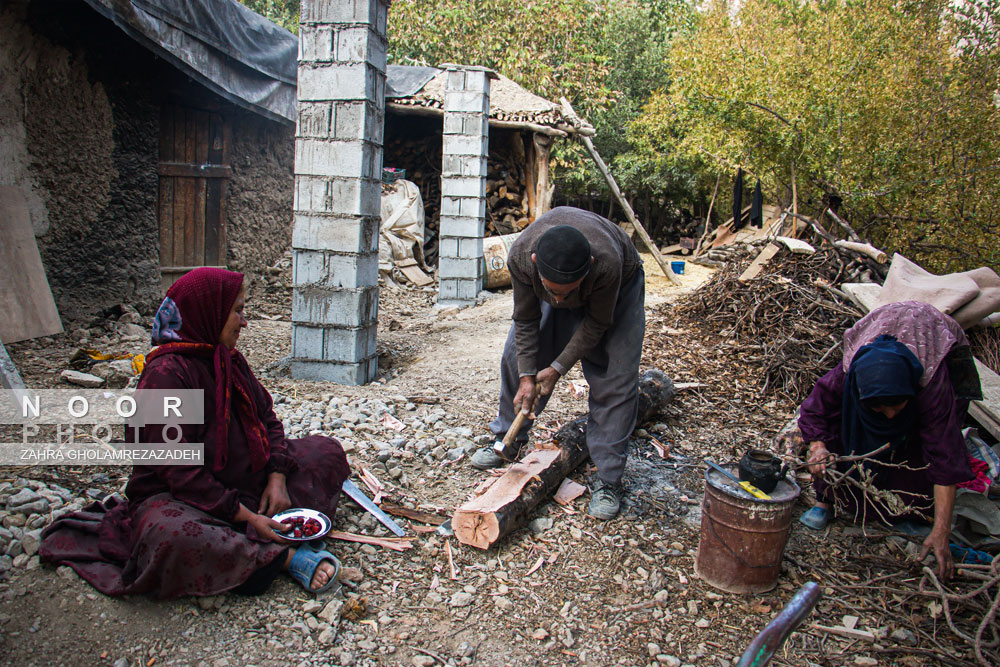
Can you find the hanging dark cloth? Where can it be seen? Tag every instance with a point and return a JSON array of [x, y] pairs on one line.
[[738, 200], [757, 207]]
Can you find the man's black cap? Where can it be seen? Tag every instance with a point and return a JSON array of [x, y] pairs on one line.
[[563, 255]]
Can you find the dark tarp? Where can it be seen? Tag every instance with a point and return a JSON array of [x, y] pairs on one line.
[[233, 51], [404, 81], [221, 44]]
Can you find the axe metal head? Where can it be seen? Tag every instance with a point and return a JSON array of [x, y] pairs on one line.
[[506, 452]]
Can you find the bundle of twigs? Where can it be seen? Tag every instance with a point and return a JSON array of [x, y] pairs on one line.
[[788, 322]]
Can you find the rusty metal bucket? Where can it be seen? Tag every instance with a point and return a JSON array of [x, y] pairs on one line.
[[743, 538]]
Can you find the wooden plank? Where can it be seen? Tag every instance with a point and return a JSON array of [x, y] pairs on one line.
[[990, 382], [191, 254], [797, 246], [27, 309], [167, 134], [194, 170], [201, 158], [757, 265], [527, 158], [200, 197], [989, 424], [215, 249], [227, 141], [603, 168], [180, 128], [165, 215]]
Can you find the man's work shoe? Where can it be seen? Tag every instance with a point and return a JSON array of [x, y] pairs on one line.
[[605, 500], [487, 458]]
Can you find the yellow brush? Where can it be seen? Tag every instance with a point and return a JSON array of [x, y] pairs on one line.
[[746, 486]]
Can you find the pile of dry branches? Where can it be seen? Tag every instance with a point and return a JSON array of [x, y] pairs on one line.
[[788, 322]]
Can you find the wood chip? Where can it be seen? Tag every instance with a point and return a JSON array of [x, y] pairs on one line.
[[568, 491], [394, 543], [845, 632], [661, 449], [451, 561], [538, 564]]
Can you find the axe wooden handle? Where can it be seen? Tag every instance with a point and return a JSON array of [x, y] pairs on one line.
[[518, 422], [515, 428]]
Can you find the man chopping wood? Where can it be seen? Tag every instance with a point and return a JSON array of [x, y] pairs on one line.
[[579, 293]]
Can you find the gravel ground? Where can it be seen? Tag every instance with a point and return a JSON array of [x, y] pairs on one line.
[[565, 590]]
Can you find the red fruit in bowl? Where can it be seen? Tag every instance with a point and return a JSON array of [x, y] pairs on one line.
[[298, 533]]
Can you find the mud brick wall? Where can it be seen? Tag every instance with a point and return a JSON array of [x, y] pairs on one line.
[[79, 135]]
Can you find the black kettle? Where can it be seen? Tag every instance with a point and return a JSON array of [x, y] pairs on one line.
[[762, 469]]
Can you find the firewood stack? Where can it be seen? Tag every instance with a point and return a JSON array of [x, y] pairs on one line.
[[506, 190], [506, 203]]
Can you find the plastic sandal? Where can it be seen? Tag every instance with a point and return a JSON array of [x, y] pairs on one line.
[[816, 518], [303, 566]]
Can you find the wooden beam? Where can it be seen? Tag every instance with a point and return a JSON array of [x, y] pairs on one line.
[[603, 168]]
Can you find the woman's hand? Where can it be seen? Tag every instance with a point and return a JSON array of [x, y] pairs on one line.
[[937, 542], [819, 456], [264, 525], [275, 497]]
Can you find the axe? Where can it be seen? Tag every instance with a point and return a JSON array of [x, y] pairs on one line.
[[505, 448]]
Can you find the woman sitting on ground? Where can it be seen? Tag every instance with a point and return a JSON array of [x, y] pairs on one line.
[[206, 529], [905, 382]]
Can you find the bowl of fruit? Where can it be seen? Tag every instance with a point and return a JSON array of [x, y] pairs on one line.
[[306, 524]]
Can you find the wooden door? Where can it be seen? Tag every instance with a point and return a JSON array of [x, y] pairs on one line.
[[194, 172]]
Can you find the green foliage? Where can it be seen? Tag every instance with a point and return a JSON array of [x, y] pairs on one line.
[[890, 104], [283, 12], [606, 57], [548, 46]]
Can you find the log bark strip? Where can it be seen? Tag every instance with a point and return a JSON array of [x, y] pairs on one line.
[[506, 505]]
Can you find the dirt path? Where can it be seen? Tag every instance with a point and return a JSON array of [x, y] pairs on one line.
[[563, 592]]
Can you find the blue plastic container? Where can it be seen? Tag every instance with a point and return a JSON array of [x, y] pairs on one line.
[[677, 267]]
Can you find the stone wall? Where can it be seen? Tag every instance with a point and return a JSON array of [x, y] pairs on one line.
[[79, 134], [259, 205]]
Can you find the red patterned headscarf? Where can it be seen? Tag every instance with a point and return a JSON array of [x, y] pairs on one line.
[[189, 322]]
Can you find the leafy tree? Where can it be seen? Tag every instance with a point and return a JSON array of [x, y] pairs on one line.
[[283, 12], [890, 104]]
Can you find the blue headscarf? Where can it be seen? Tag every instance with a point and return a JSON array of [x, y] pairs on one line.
[[884, 367]]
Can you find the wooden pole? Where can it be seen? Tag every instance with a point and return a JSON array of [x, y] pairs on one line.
[[603, 168], [795, 205], [543, 194], [708, 217]]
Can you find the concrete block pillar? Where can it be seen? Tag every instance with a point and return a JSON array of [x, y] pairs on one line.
[[338, 170], [463, 183]]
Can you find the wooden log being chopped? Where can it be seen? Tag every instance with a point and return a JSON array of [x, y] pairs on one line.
[[506, 505]]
